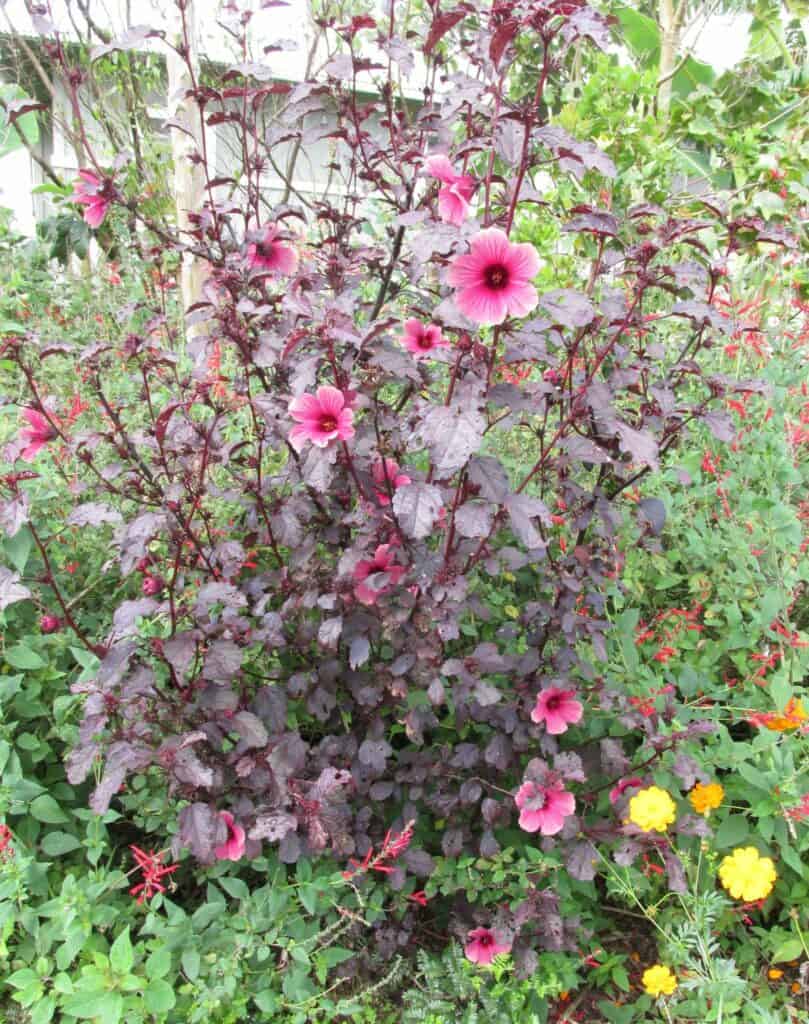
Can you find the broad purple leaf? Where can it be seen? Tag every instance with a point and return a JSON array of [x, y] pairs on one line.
[[652, 511], [93, 513], [250, 728], [522, 509], [201, 830], [374, 754], [417, 507], [474, 519], [273, 826], [568, 308], [452, 435], [11, 590], [488, 474], [14, 514]]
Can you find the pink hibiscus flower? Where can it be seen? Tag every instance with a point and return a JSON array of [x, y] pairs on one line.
[[483, 945], [272, 256], [88, 191], [453, 198], [557, 709], [544, 808], [494, 278], [381, 564], [422, 339], [36, 435], [233, 846], [618, 791], [386, 474], [321, 418]]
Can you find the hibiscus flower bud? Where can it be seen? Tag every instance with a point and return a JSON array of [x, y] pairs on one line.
[[152, 585], [50, 624]]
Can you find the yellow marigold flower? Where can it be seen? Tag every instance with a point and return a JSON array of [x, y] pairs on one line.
[[705, 799], [747, 875], [652, 809], [659, 981]]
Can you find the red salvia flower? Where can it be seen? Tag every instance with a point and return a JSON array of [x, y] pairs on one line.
[[153, 871], [6, 849]]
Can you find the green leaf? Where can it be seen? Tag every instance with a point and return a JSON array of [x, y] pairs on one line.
[[733, 831], [158, 964], [190, 962], [57, 843], [791, 949], [18, 548], [107, 1006], [23, 657], [234, 887], [47, 810], [43, 1011], [158, 996], [122, 956]]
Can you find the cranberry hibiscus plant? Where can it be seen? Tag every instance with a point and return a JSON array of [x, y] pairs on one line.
[[308, 495]]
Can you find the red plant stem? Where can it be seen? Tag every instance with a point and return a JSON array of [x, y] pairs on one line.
[[98, 649], [523, 167], [565, 424]]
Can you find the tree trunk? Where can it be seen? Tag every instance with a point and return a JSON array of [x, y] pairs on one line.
[[670, 29], [188, 175]]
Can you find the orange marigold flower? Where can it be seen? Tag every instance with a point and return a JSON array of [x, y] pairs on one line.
[[706, 798], [792, 717]]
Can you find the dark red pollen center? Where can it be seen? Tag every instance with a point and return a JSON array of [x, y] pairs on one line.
[[554, 703], [425, 341], [328, 424], [486, 940], [265, 250], [496, 276]]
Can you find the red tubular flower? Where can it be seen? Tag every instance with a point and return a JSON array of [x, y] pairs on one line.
[[153, 872], [6, 849]]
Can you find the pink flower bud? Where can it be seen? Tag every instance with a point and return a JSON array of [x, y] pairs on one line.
[[152, 585], [50, 624]]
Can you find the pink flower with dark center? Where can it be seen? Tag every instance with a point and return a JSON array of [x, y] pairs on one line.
[[483, 945], [453, 198], [50, 624], [557, 709], [321, 418], [233, 846], [271, 255], [88, 191], [386, 475], [494, 278], [618, 790], [382, 565], [544, 808], [422, 339], [36, 435]]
